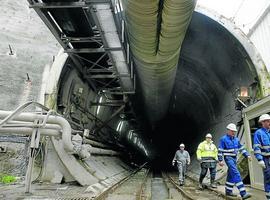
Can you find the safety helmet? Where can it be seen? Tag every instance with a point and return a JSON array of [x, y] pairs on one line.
[[181, 145], [264, 117], [208, 135], [232, 127]]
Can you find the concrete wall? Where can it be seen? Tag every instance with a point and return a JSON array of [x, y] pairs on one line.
[[260, 33], [33, 46]]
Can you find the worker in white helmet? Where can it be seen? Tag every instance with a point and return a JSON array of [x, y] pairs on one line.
[[182, 159], [229, 146], [261, 147], [207, 155]]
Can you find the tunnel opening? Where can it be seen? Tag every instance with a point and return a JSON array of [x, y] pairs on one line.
[[168, 135]]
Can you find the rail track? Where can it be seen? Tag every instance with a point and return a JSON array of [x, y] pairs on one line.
[[146, 184]]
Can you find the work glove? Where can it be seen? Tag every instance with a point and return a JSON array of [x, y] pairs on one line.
[[262, 164], [199, 159], [221, 163], [173, 163]]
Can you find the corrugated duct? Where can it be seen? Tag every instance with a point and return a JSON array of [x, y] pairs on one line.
[[156, 30]]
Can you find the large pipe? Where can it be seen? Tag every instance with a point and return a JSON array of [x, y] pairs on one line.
[[156, 30], [100, 151], [95, 143], [29, 131], [52, 119]]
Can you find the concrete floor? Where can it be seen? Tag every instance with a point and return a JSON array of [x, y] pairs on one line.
[[159, 190]]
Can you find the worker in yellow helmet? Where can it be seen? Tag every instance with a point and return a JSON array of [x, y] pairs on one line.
[[207, 154]]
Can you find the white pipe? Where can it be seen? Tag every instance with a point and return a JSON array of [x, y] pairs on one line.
[[13, 124], [66, 128], [29, 131]]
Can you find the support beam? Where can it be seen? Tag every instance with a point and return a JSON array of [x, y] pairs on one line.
[[102, 76], [60, 5], [92, 50]]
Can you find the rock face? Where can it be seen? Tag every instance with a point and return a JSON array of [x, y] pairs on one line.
[[32, 49]]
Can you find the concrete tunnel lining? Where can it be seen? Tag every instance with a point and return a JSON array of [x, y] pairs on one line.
[[208, 74]]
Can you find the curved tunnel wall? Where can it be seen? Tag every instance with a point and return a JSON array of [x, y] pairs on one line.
[[78, 103]]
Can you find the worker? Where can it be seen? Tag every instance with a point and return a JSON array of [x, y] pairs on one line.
[[207, 155], [229, 146], [261, 145], [182, 159]]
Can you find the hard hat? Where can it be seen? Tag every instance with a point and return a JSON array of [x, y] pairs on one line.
[[264, 117], [208, 135], [181, 145], [232, 127]]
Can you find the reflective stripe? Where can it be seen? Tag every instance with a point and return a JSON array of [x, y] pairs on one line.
[[229, 154], [257, 151], [229, 188], [229, 183], [209, 161], [220, 154], [244, 151], [256, 145], [261, 146], [242, 189], [242, 148], [239, 183], [266, 154], [226, 150]]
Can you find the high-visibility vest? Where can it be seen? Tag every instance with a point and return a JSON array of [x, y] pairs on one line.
[[207, 150]]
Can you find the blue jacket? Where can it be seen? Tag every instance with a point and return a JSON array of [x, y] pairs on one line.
[[261, 143], [230, 146]]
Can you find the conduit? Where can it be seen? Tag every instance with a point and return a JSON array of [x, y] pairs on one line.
[[63, 123], [156, 31]]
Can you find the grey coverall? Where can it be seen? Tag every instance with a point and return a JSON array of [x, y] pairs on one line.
[[182, 158]]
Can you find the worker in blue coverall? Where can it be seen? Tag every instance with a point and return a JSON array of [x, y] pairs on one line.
[[229, 146], [261, 145]]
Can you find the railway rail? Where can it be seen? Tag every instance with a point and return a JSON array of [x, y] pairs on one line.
[[148, 184]]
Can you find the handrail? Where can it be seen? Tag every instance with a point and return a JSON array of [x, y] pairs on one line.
[[31, 117], [20, 109]]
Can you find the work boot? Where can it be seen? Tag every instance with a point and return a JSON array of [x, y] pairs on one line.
[[181, 183], [200, 186], [246, 196], [213, 185], [231, 195]]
